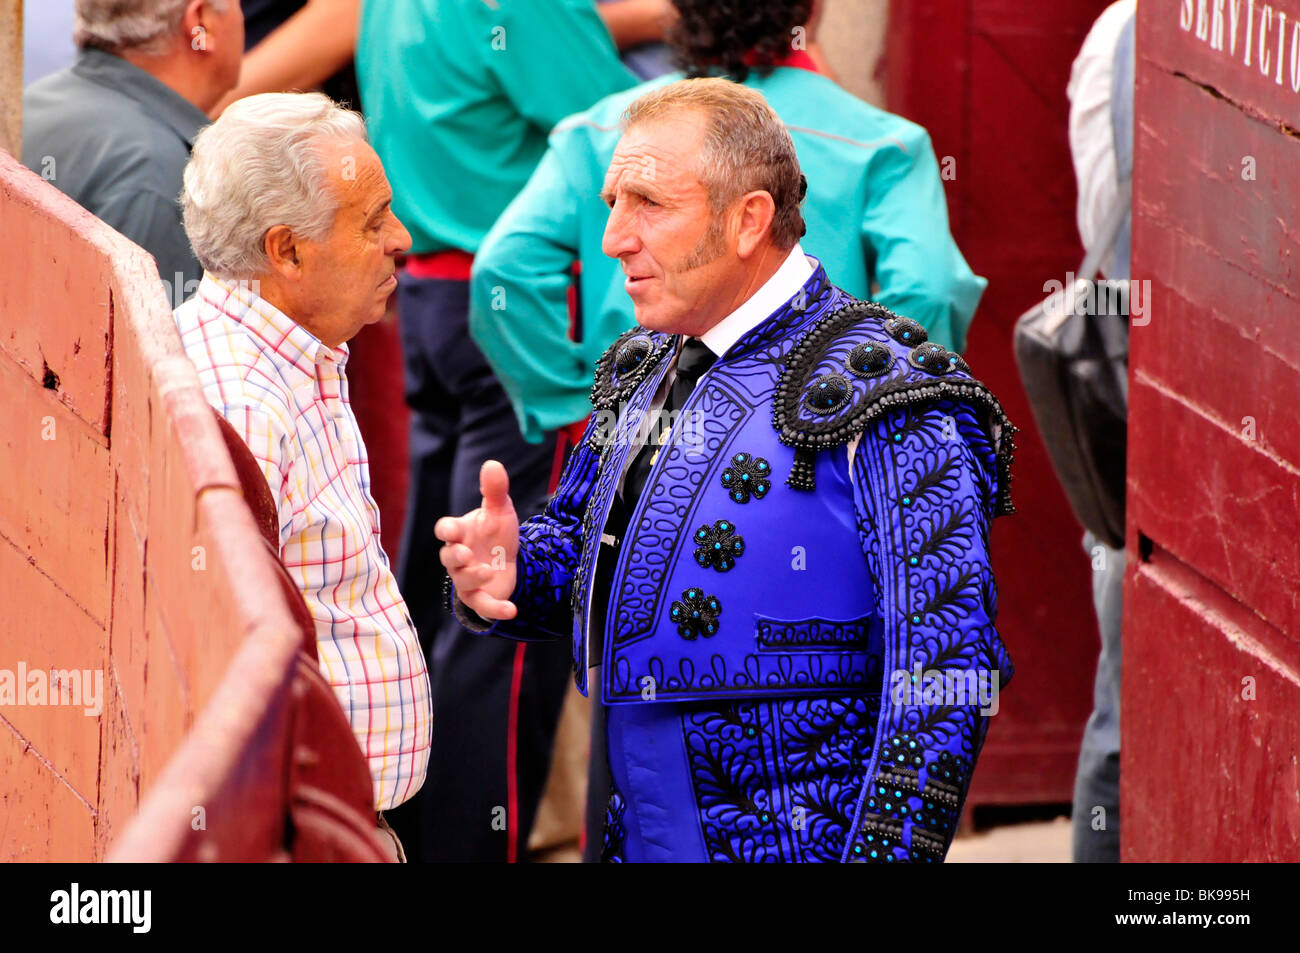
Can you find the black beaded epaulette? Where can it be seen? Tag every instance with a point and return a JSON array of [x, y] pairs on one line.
[[625, 364], [860, 362]]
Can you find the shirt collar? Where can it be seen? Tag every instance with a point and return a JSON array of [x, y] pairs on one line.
[[159, 100], [776, 291], [285, 337]]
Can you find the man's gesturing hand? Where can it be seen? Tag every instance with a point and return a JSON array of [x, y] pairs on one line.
[[480, 547]]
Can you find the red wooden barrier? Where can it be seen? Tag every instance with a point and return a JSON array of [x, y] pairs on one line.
[[1211, 693], [128, 552]]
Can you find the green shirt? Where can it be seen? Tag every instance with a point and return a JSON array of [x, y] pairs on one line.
[[459, 96], [875, 211], [117, 140]]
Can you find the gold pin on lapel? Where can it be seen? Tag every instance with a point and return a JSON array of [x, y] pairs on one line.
[[663, 438]]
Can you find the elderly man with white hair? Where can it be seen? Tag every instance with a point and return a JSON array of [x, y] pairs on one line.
[[114, 130], [290, 212]]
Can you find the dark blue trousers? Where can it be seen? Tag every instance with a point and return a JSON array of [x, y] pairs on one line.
[[495, 702]]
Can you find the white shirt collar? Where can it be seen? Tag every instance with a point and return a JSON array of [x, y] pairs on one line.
[[776, 291]]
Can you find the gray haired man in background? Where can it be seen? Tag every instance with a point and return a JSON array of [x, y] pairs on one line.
[[114, 131]]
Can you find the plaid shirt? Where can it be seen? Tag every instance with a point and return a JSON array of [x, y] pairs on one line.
[[286, 394]]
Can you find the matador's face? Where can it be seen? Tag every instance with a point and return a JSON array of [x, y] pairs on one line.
[[678, 253]]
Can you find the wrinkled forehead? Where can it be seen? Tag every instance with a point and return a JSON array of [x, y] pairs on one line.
[[662, 151], [353, 170]]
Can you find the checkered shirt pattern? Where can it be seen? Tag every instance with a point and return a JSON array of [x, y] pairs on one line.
[[286, 394]]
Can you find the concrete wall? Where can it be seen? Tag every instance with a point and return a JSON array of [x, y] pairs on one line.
[[852, 33]]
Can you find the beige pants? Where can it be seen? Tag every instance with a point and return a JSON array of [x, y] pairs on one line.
[[560, 815]]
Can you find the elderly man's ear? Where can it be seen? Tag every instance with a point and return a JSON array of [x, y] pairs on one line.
[[754, 222], [282, 250]]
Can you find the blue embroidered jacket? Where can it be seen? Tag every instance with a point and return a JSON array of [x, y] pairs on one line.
[[816, 524]]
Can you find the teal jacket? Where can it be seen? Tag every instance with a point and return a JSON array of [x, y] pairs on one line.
[[875, 210], [459, 96]]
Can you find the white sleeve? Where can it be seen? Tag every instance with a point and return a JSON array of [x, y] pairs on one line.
[[1092, 146]]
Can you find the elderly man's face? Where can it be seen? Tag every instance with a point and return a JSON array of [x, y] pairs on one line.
[[679, 258], [353, 271]]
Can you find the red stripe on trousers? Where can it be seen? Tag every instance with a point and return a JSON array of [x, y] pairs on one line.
[[512, 767]]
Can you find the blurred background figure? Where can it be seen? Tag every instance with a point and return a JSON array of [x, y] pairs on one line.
[[460, 97], [639, 28], [1101, 146], [114, 131], [298, 45], [875, 211]]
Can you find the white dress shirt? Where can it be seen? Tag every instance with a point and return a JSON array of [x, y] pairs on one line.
[[784, 284], [776, 291], [1092, 145]]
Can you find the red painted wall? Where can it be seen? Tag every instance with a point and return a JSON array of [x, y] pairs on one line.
[[1211, 694]]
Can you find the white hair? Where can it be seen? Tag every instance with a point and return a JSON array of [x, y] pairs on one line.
[[148, 26], [259, 166]]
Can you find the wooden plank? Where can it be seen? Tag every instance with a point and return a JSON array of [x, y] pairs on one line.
[[69, 276], [1247, 51], [189, 587], [921, 87], [1208, 198], [1216, 501], [1222, 786], [44, 819], [165, 712], [44, 630], [1024, 761], [234, 763], [58, 514], [119, 765], [1246, 381]]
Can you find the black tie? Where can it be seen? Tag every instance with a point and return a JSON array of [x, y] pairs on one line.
[[694, 360]]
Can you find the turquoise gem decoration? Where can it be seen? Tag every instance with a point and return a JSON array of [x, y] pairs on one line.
[[717, 546], [747, 477], [696, 614]]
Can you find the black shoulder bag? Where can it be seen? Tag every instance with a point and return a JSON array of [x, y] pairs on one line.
[[1072, 352]]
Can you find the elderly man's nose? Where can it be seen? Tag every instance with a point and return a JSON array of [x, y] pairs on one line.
[[399, 240]]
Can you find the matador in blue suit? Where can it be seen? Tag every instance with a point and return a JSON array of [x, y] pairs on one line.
[[770, 549]]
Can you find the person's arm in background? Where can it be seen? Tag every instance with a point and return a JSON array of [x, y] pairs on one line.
[[519, 314], [920, 271], [301, 53], [633, 22], [557, 59]]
